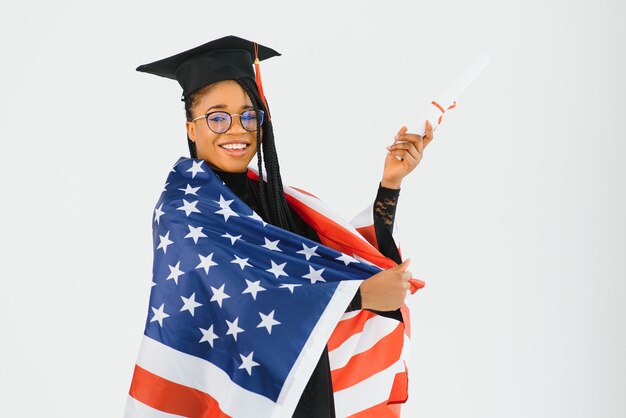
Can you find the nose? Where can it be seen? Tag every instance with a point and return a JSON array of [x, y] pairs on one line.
[[235, 126]]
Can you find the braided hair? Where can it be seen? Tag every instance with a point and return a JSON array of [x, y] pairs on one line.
[[273, 202]]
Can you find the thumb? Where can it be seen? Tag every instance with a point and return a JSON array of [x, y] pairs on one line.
[[403, 266]]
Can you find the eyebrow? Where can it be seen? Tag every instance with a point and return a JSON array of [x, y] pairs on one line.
[[223, 106]]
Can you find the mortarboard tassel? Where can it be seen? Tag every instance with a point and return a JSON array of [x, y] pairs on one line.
[[259, 83]]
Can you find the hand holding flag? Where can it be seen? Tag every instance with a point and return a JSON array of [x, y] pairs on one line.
[[386, 291]]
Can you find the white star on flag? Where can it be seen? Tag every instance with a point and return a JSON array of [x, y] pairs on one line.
[[190, 304], [247, 363], [233, 328], [158, 213], [308, 252], [271, 245], [206, 262], [277, 269], [257, 217], [208, 335], [347, 259], [195, 168], [165, 241], [195, 233], [232, 238], [219, 295], [165, 187], [189, 207], [289, 286], [242, 262], [175, 272], [225, 210], [314, 275], [253, 288], [190, 190], [267, 321], [159, 314]]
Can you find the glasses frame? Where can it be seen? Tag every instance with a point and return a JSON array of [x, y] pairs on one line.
[[206, 117]]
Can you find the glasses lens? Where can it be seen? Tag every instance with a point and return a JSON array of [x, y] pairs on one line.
[[248, 119], [219, 122]]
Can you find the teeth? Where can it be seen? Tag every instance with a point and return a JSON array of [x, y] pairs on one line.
[[234, 146]]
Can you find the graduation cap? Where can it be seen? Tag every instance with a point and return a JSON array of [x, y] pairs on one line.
[[226, 58]]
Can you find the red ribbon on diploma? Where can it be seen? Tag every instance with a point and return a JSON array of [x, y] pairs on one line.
[[438, 106]]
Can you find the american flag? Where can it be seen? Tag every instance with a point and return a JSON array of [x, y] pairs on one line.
[[240, 310]]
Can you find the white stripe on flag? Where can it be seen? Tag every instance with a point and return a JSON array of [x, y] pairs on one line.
[[364, 218], [374, 330], [303, 368], [367, 393], [136, 409], [350, 314], [319, 206], [191, 371]]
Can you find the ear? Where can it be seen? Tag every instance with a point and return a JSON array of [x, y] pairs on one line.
[[191, 130]]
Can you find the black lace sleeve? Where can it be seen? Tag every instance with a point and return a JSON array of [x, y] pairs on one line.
[[384, 216]]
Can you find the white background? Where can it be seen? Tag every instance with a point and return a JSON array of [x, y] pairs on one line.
[[514, 217]]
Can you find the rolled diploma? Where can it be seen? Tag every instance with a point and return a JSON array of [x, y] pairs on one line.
[[449, 97]]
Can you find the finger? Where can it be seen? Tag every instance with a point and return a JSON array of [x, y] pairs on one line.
[[413, 149], [413, 138], [399, 154], [410, 160], [416, 140], [406, 275], [401, 146], [401, 132], [428, 136], [403, 266]]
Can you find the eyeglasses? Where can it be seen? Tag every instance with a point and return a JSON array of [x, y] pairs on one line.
[[220, 122]]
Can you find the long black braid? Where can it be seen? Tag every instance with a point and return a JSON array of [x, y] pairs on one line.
[[273, 203]]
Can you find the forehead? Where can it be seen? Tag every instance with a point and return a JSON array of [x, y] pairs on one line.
[[227, 92]]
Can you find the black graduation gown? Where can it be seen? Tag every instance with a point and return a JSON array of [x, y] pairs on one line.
[[317, 399]]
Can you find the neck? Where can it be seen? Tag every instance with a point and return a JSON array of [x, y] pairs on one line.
[[237, 182]]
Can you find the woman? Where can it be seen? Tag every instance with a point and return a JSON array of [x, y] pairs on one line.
[[227, 118]]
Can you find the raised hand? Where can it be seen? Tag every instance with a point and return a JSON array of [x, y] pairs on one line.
[[404, 155]]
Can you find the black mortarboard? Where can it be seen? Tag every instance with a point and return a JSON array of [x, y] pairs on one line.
[[225, 58]]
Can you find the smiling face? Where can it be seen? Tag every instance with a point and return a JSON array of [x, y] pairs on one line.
[[232, 150]]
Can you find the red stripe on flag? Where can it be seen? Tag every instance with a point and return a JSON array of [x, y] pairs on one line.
[[363, 365], [336, 236], [382, 410], [331, 233], [406, 318], [369, 233], [173, 398], [400, 388], [302, 191], [347, 328]]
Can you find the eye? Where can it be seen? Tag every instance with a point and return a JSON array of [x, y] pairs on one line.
[[249, 115], [217, 118]]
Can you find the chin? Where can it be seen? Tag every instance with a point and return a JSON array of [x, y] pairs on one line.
[[229, 166], [235, 168]]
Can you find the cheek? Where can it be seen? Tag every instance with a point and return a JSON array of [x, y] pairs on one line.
[[205, 137]]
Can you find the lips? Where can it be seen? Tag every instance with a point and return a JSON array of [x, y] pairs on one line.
[[235, 146]]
